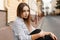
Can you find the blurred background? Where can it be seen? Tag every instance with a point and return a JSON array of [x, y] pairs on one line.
[[45, 14]]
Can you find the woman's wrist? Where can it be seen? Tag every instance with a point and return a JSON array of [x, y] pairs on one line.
[[35, 36]]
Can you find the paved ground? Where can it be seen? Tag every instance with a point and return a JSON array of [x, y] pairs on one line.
[[52, 24]]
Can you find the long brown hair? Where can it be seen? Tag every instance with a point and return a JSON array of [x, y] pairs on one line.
[[20, 11]]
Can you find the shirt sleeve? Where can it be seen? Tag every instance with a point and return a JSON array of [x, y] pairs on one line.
[[20, 32]]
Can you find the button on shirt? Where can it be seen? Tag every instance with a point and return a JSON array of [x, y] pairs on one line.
[[20, 30]]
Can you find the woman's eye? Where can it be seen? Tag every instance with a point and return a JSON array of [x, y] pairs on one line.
[[26, 10]]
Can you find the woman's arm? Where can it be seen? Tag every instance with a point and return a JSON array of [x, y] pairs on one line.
[[42, 34], [35, 36], [38, 35]]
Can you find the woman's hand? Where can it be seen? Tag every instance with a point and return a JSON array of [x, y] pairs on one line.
[[53, 36], [43, 33]]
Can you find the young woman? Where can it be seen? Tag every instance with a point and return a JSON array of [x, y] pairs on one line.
[[22, 27]]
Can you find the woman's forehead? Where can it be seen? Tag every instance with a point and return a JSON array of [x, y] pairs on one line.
[[25, 8]]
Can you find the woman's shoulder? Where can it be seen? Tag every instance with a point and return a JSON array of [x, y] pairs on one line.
[[19, 21]]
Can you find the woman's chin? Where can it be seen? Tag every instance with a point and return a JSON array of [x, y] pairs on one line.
[[26, 17]]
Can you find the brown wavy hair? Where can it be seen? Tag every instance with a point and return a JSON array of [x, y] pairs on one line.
[[20, 11]]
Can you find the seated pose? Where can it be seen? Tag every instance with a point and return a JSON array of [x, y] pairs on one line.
[[22, 27], [46, 37]]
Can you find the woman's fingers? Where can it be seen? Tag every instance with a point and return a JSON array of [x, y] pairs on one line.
[[53, 36], [43, 33]]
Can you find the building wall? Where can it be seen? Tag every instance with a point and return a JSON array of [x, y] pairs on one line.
[[11, 7], [54, 5], [39, 6], [2, 18], [2, 5]]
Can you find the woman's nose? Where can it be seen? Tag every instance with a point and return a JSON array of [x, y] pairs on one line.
[[27, 12]]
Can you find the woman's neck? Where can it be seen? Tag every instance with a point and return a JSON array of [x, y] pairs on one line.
[[28, 26]]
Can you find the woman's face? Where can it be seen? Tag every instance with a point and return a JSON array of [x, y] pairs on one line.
[[25, 12]]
